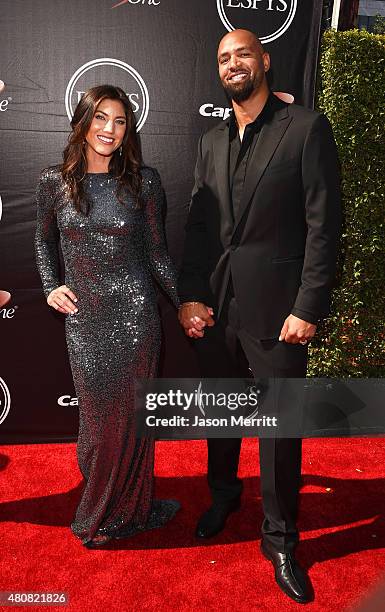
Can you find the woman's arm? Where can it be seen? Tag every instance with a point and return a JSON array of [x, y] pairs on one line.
[[160, 261], [47, 234], [58, 296]]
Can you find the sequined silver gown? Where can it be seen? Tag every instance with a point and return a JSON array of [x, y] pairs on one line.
[[111, 258]]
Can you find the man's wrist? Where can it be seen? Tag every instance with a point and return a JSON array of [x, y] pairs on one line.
[[189, 304], [305, 315]]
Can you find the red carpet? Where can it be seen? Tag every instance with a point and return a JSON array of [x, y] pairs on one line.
[[342, 522]]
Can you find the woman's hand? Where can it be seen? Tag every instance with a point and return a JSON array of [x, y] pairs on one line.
[[194, 316], [62, 299]]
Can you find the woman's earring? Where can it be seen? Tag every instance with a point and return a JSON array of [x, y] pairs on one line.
[[120, 151]]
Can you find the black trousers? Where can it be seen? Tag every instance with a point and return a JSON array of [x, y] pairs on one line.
[[229, 351]]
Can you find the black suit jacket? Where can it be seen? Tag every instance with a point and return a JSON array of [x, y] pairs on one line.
[[281, 249]]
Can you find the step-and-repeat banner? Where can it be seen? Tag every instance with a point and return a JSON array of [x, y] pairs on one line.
[[163, 54]]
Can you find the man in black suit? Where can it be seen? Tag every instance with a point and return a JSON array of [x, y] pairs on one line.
[[260, 252]]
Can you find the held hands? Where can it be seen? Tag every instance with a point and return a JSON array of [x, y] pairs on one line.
[[295, 330], [194, 316], [62, 299]]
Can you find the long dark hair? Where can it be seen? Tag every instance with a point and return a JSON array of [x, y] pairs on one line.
[[124, 166]]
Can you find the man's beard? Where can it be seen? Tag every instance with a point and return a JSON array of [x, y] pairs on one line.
[[239, 92]]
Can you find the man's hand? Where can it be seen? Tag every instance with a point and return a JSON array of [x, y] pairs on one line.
[[62, 299], [295, 330], [194, 316]]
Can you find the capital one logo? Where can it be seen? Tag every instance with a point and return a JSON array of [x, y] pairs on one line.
[[5, 401], [5, 297], [148, 2], [4, 102], [110, 71], [67, 400], [220, 112], [6, 313], [269, 19]]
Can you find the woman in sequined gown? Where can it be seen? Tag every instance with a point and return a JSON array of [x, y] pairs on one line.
[[104, 208]]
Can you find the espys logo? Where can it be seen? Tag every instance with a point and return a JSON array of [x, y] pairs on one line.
[[6, 313], [109, 70], [5, 401], [148, 2], [269, 19], [4, 103]]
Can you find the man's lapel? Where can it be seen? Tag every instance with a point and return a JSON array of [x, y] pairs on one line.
[[269, 138], [221, 147]]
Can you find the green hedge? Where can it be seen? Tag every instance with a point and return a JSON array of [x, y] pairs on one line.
[[351, 93]]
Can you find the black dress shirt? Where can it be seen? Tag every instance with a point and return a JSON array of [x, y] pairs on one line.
[[240, 152]]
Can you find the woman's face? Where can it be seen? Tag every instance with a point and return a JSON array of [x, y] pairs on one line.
[[107, 129]]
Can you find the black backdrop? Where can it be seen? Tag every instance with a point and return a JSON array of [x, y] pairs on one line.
[[163, 54]]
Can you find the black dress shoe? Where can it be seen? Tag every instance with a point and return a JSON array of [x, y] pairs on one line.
[[289, 576], [214, 519]]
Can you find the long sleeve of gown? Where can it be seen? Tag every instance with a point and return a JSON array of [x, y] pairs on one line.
[[161, 265], [47, 234]]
